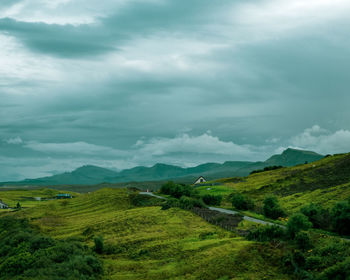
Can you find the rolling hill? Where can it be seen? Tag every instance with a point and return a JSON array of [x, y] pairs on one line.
[[90, 175]]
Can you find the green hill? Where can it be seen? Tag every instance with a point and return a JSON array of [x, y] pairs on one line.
[[90, 175], [325, 181], [149, 243]]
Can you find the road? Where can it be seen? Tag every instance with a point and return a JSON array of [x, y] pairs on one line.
[[247, 218], [222, 210]]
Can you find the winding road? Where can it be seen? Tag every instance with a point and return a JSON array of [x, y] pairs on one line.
[[222, 210], [226, 211]]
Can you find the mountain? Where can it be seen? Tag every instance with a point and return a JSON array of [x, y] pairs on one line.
[[89, 175], [291, 157]]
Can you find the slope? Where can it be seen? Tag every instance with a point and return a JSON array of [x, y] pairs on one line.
[[150, 243]]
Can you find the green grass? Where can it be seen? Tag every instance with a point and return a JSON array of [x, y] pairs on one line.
[[325, 182], [149, 243], [26, 196]]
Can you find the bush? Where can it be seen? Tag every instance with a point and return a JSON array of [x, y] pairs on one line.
[[189, 203], [171, 202], [319, 217], [303, 241], [296, 223], [99, 244], [341, 217], [27, 254], [266, 233], [178, 190], [241, 202], [212, 199], [272, 209]]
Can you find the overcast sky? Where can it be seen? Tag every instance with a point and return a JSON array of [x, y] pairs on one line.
[[120, 83]]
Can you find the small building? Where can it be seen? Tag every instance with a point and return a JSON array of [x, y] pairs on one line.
[[200, 180], [63, 195], [3, 205]]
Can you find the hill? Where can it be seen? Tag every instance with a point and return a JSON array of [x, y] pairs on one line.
[[145, 242], [325, 182], [90, 175]]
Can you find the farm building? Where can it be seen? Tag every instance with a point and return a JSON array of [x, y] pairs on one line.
[[63, 195], [3, 205], [200, 180]]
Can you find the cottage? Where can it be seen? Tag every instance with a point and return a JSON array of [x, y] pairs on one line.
[[63, 195], [200, 180], [3, 205]]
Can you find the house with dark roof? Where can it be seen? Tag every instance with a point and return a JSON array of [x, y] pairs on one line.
[[200, 180]]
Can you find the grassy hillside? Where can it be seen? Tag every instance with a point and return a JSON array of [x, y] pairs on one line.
[[150, 243], [325, 181]]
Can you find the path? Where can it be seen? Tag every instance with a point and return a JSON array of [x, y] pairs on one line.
[[222, 210]]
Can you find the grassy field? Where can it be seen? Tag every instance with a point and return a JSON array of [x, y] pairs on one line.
[[325, 182], [26, 197], [150, 243]]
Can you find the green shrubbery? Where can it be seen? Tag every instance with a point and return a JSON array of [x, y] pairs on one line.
[[241, 202], [26, 254], [268, 168], [337, 219], [266, 233], [341, 217], [272, 209], [318, 216], [209, 199], [297, 223], [178, 190]]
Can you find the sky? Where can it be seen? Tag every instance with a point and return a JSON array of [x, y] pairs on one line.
[[121, 83]]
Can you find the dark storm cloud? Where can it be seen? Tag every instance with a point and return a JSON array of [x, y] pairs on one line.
[[181, 82]]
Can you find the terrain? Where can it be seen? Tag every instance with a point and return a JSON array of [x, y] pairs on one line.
[[145, 242], [143, 239], [90, 175]]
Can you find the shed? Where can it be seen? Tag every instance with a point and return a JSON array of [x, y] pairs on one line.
[[200, 180], [63, 195]]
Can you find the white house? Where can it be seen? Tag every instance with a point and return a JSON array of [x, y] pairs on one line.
[[200, 180], [3, 205]]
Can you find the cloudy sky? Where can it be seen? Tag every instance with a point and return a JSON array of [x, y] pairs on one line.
[[120, 83]]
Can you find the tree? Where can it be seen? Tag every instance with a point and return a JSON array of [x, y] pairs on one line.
[[296, 223], [341, 217], [241, 202], [318, 216], [99, 244], [18, 206], [210, 199], [272, 209]]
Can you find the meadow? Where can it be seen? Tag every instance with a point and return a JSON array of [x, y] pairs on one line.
[[145, 242]]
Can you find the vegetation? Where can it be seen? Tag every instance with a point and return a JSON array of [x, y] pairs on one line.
[[272, 209], [144, 242], [241, 202], [209, 199], [267, 168], [27, 254]]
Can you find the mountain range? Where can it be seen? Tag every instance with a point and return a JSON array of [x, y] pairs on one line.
[[89, 174]]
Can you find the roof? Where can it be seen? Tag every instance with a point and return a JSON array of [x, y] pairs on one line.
[[200, 178], [63, 194]]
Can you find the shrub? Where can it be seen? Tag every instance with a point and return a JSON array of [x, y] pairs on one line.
[[272, 209], [99, 244], [212, 199], [27, 254], [341, 217], [189, 203], [266, 233], [171, 202], [303, 241], [319, 217], [296, 223], [178, 190], [241, 202]]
